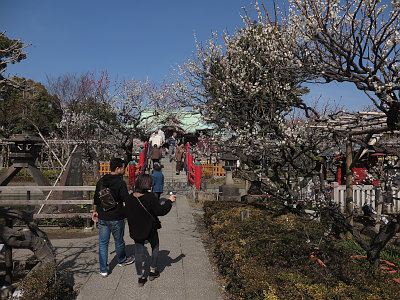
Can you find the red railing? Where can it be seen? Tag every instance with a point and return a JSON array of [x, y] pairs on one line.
[[194, 169], [133, 169]]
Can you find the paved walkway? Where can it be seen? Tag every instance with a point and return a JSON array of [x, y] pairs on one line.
[[184, 266], [183, 263]]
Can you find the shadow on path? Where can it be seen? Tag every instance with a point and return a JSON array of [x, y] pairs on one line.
[[164, 260]]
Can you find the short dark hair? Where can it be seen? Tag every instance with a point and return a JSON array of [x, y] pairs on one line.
[[143, 183], [157, 167], [116, 162]]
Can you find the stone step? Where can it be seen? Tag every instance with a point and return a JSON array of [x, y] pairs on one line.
[[172, 181], [175, 186]]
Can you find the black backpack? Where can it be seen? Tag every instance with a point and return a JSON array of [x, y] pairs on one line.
[[107, 200]]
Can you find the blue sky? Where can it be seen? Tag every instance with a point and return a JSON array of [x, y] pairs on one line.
[[127, 38]]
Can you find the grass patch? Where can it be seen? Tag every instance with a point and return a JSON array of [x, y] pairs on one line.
[[390, 253], [69, 233]]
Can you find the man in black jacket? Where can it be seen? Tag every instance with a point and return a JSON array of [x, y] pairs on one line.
[[112, 221]]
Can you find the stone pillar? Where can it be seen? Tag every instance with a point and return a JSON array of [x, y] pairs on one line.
[[229, 191]]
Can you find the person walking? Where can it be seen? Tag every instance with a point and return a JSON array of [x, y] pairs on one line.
[[179, 157], [110, 217], [155, 154], [158, 180], [156, 139], [142, 210], [171, 145]]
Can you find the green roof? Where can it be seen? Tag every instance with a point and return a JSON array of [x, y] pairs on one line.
[[188, 121]]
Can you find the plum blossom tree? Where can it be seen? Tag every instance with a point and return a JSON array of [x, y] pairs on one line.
[[252, 89], [250, 86], [356, 42], [105, 116], [351, 41]]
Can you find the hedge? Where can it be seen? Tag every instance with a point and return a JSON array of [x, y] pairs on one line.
[[268, 256]]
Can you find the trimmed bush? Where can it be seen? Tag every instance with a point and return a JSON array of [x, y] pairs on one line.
[[268, 256]]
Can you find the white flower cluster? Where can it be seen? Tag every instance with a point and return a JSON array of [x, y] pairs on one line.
[[250, 83]]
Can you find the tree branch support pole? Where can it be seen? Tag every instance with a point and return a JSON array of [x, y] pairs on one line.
[[379, 207], [8, 257], [88, 210], [349, 184], [63, 167]]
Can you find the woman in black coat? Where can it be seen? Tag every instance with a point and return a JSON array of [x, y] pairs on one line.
[[142, 210]]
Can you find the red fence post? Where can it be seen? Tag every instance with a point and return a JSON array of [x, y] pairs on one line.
[[189, 160], [142, 157], [197, 174], [131, 174]]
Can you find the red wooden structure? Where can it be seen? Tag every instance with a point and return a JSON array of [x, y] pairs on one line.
[[359, 170]]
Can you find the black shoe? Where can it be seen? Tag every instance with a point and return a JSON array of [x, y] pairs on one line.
[[154, 275], [142, 281]]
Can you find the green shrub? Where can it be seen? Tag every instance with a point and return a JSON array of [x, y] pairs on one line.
[[75, 222], [47, 283], [51, 175], [267, 256]]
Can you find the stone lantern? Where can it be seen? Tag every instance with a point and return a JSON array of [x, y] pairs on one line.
[[229, 191], [25, 150], [230, 161]]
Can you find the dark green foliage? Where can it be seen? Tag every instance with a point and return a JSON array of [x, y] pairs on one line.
[[21, 111], [10, 51], [47, 284], [268, 256]]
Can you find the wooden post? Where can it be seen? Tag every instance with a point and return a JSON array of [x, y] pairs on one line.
[[28, 197], [88, 209], [379, 207], [8, 257], [8, 156], [349, 184], [244, 214]]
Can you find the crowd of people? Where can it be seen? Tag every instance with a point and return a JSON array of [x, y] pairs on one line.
[[175, 148], [113, 203]]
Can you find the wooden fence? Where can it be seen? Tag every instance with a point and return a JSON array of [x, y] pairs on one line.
[[27, 201], [212, 169], [105, 168]]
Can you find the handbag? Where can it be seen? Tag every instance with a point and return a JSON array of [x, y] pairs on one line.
[[156, 221]]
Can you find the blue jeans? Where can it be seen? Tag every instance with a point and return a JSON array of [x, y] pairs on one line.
[[171, 152], [117, 229]]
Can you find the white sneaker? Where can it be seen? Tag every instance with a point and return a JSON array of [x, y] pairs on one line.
[[104, 274]]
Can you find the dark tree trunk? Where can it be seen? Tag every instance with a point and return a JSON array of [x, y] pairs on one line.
[[373, 256], [379, 241]]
